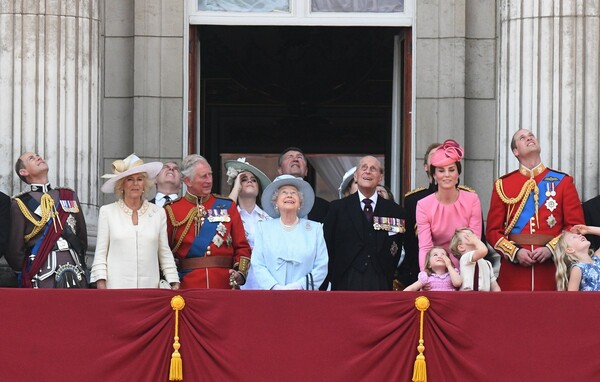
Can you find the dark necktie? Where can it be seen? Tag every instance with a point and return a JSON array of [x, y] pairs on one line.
[[167, 198], [476, 277], [368, 210]]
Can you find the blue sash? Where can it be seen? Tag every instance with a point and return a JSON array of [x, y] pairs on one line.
[[207, 231], [529, 209]]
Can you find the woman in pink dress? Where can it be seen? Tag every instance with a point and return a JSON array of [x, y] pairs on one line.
[[441, 213]]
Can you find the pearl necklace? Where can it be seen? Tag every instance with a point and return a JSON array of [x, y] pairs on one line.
[[289, 227]]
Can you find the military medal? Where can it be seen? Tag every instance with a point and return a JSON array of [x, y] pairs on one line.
[[550, 189], [69, 206], [551, 204], [551, 221], [229, 241], [383, 223], [218, 215], [221, 229], [72, 222], [217, 240], [394, 249]]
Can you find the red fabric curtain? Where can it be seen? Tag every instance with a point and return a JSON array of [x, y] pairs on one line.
[[118, 335]]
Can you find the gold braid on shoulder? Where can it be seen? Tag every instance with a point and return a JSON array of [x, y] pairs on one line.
[[188, 221], [530, 185], [47, 207]]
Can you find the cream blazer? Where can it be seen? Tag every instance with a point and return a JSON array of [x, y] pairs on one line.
[[130, 256]]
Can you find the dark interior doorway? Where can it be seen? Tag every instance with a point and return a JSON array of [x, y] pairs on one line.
[[327, 90]]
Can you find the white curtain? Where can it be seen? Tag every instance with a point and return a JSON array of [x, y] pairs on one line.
[[383, 6], [331, 168], [244, 5]]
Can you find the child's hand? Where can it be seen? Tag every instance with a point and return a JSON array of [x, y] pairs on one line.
[[447, 261], [580, 229]]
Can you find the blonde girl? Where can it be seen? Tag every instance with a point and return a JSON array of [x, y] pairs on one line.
[[577, 266]]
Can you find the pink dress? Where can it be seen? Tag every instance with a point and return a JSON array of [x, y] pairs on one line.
[[437, 222], [437, 282]]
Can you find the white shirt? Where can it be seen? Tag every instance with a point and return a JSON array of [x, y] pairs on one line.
[[467, 271], [250, 220], [361, 197], [160, 200]]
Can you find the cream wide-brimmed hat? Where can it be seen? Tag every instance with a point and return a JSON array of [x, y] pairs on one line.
[[288, 180], [348, 177], [128, 166], [234, 167]]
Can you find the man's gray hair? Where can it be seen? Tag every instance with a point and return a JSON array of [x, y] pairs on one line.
[[188, 164]]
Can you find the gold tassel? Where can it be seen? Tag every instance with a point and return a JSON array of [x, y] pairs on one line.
[[420, 370], [176, 370]]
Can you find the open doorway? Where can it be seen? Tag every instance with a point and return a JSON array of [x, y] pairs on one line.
[[327, 90]]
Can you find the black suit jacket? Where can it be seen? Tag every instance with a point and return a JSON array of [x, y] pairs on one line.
[[591, 212], [344, 231], [4, 222], [409, 269], [319, 210]]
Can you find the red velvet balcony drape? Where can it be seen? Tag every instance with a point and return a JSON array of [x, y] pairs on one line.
[[127, 335]]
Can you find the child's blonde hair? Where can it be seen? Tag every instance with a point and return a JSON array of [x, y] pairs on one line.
[[564, 261], [427, 256], [456, 241]]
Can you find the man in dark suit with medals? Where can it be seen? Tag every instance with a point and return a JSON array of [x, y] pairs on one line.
[[206, 233], [48, 236], [364, 234]]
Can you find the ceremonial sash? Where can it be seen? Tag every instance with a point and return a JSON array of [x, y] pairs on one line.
[[529, 209], [46, 242], [207, 232]]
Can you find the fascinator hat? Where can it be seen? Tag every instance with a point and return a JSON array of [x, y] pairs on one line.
[[131, 165], [288, 180], [234, 167], [348, 177], [448, 153]]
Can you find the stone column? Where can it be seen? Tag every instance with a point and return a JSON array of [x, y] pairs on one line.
[[49, 71], [548, 82]]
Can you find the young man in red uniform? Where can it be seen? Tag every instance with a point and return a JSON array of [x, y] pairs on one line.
[[530, 207], [206, 233]]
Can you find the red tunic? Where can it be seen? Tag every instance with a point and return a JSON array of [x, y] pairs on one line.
[[547, 225], [233, 245]]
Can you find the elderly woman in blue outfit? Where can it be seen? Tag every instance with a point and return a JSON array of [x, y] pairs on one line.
[[289, 251]]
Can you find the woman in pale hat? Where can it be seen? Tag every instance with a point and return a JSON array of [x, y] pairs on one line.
[[450, 207], [348, 185], [247, 184], [289, 251], [132, 247]]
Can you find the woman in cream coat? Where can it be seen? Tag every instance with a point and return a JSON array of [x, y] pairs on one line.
[[132, 246]]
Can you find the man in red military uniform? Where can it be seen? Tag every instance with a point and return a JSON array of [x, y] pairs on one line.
[[206, 233], [530, 207]]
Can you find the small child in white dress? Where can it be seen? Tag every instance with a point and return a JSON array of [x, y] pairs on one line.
[[470, 251]]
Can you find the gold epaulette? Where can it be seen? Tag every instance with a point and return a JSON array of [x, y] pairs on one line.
[[552, 243], [219, 196], [466, 188], [415, 191]]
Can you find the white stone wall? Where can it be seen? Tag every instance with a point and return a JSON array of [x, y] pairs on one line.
[[143, 77], [49, 92], [456, 85], [548, 82]]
